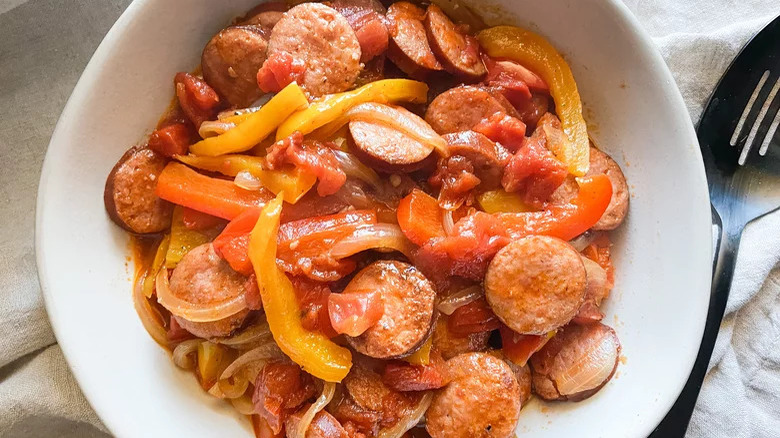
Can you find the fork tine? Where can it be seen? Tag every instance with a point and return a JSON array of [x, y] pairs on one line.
[[748, 107], [759, 120], [770, 134]]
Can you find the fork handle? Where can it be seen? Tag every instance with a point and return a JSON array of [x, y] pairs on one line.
[[676, 421]]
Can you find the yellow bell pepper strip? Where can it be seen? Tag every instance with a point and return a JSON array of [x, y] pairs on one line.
[[157, 264], [331, 107], [294, 182], [501, 201], [313, 351], [181, 241], [423, 355], [256, 127], [536, 53]]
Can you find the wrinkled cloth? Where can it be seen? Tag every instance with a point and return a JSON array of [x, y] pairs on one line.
[[44, 46]]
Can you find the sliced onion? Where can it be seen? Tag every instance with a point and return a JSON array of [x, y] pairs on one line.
[[405, 424], [150, 318], [213, 128], [583, 240], [597, 287], [191, 311], [447, 222], [591, 369], [459, 299], [183, 354], [328, 389], [247, 181], [355, 169], [379, 236], [243, 404], [233, 389], [252, 361], [259, 332]]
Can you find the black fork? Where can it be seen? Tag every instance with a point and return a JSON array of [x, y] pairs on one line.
[[741, 151]]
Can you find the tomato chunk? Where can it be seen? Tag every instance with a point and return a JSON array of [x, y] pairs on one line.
[[352, 314], [313, 298], [519, 348], [280, 389], [474, 317], [197, 99], [505, 129], [313, 157], [171, 140], [279, 71], [403, 376]]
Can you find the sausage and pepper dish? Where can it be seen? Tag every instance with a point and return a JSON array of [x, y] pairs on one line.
[[365, 219]]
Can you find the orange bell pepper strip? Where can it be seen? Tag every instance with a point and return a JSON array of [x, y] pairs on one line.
[[183, 186], [537, 54], [256, 127], [423, 355], [313, 351], [519, 348], [501, 201], [420, 217], [565, 221], [293, 181]]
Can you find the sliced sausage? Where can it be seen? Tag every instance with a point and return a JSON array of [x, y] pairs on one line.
[[203, 277], [323, 425], [322, 39], [600, 164], [409, 48], [487, 157], [230, 62], [387, 148], [461, 108], [367, 18], [409, 309], [129, 194], [576, 363], [536, 284], [482, 400], [450, 345], [457, 52], [369, 394], [265, 15]]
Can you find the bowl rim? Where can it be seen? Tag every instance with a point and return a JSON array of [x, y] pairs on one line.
[[92, 390]]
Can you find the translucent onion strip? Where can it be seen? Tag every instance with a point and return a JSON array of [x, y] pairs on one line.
[[208, 312], [591, 369], [257, 357], [379, 236], [243, 404], [213, 128], [460, 298], [233, 389], [355, 169], [252, 334], [447, 222], [583, 240], [150, 318], [405, 424], [328, 389], [184, 352], [245, 180]]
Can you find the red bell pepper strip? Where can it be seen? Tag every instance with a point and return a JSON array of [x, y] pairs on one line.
[[233, 242], [420, 217], [199, 221], [474, 317], [519, 348], [218, 197]]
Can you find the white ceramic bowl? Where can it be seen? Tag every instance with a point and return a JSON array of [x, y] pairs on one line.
[[636, 114]]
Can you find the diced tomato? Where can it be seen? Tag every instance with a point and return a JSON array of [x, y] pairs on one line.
[[474, 317], [279, 71], [505, 129], [354, 313], [373, 37], [420, 217], [357, 421], [280, 389], [196, 220], [531, 110], [262, 429], [313, 300], [510, 74], [171, 140], [455, 176], [314, 157], [254, 301], [403, 376], [600, 252], [519, 348], [176, 333], [197, 99], [534, 172], [233, 243]]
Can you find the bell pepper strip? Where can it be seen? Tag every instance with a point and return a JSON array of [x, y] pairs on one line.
[[474, 317], [354, 313], [420, 217], [256, 127], [157, 264], [519, 348], [293, 181], [329, 108], [199, 221], [314, 352], [183, 186], [565, 221], [501, 201], [182, 240], [233, 242], [422, 356], [536, 53]]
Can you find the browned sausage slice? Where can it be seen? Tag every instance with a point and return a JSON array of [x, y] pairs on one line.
[[523, 375], [230, 62], [461, 108], [265, 15], [323, 40], [409, 48], [409, 309], [365, 389], [324, 425], [129, 194], [487, 157], [601, 164], [536, 284], [576, 363], [450, 345], [203, 277], [481, 401], [458, 53]]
